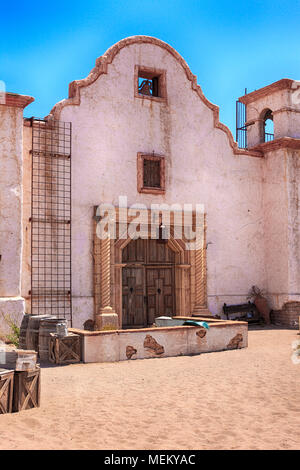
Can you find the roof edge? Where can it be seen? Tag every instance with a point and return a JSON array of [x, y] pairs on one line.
[[282, 142], [15, 100], [284, 83]]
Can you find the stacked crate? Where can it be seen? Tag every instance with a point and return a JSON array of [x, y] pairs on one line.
[[20, 387]]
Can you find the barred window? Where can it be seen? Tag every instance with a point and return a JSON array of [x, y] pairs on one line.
[[150, 173]]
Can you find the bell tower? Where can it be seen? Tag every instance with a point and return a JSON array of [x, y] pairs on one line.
[[279, 104], [273, 127]]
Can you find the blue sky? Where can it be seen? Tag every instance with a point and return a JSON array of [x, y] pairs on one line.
[[229, 45]]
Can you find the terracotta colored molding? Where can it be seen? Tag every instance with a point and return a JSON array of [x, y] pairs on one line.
[[284, 83], [286, 109], [283, 142], [15, 100], [101, 67]]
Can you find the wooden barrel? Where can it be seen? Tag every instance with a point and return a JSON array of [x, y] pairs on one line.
[[32, 334], [23, 331], [47, 326]]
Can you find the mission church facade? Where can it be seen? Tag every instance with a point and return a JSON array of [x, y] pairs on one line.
[[139, 127]]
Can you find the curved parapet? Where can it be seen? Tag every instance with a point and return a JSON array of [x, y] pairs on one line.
[[101, 67]]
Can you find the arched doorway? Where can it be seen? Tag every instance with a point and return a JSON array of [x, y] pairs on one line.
[[148, 282], [184, 269]]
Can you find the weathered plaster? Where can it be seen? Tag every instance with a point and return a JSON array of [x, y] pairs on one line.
[[11, 311], [281, 226], [251, 198], [125, 345], [110, 126], [11, 199]]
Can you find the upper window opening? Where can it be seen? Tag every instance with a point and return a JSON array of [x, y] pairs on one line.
[[150, 83]]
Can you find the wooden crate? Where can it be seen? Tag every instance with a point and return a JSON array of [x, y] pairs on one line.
[[6, 390], [10, 358], [64, 350], [27, 386], [26, 359]]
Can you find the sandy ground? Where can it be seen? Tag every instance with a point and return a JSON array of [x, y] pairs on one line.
[[242, 399]]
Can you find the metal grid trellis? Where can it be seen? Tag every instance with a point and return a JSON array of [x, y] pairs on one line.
[[51, 218], [241, 128]]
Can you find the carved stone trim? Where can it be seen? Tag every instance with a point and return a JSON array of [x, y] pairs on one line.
[[200, 275], [190, 275], [105, 272], [103, 303]]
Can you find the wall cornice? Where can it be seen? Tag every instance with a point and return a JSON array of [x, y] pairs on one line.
[[286, 109], [283, 142], [15, 100], [284, 83]]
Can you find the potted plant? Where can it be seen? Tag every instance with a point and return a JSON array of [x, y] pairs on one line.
[[261, 303]]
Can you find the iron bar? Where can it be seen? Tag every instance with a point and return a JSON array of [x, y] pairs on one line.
[[241, 128]]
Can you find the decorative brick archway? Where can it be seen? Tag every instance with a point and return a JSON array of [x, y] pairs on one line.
[[190, 271]]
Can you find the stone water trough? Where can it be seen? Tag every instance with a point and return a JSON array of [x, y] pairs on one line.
[[122, 345]]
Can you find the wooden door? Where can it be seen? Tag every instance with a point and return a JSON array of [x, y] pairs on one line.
[[133, 297], [148, 289], [160, 292]]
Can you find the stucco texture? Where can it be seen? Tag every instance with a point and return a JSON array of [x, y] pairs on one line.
[[111, 125], [11, 304]]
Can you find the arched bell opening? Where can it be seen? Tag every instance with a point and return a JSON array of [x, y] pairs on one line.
[[267, 129]]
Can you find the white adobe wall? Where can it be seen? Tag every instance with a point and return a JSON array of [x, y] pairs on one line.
[[281, 219], [11, 302], [293, 190], [110, 126]]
